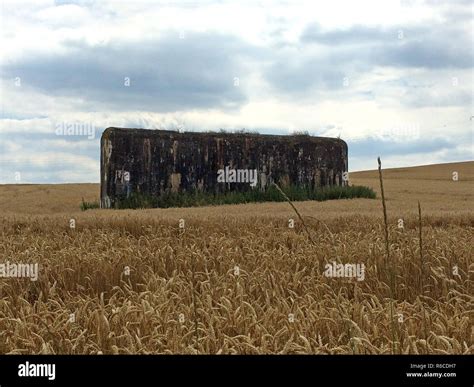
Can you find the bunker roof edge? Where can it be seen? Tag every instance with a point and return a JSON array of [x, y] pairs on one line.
[[150, 132]]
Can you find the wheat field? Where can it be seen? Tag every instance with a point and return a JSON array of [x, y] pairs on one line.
[[236, 279]]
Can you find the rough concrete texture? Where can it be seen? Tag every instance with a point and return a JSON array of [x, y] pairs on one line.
[[154, 162]]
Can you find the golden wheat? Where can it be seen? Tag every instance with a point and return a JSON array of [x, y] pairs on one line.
[[237, 279]]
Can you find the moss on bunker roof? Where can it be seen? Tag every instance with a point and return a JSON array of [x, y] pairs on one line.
[[136, 132]]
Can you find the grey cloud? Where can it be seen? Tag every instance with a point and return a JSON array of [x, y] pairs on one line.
[[354, 35], [321, 72], [303, 76], [421, 98], [372, 147], [439, 45], [445, 52], [167, 74], [363, 153]]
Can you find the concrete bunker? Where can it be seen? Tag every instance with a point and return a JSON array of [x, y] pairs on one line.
[[155, 162]]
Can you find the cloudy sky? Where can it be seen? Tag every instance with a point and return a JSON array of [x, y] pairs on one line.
[[392, 78]]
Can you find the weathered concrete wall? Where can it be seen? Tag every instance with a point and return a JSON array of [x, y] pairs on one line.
[[153, 162]]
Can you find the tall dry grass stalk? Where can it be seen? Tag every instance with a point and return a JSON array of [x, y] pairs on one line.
[[195, 312], [387, 249], [420, 238], [296, 211], [422, 272], [387, 257]]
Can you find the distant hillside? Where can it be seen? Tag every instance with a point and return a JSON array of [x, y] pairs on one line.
[[424, 172]]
